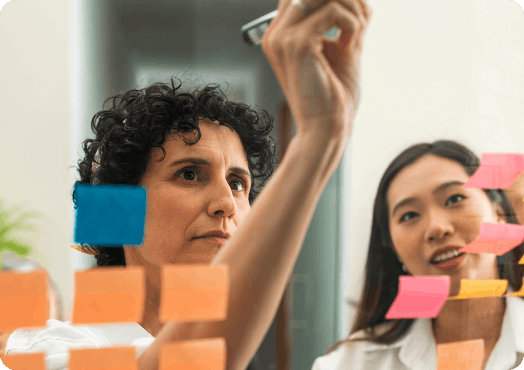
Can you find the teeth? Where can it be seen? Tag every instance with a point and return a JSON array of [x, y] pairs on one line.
[[446, 256]]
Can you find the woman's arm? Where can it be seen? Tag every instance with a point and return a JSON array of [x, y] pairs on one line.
[[320, 81]]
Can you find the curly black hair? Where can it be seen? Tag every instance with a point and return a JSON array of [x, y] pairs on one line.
[[139, 120]]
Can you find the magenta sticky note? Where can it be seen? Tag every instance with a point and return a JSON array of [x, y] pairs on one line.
[[496, 238], [419, 296], [496, 171]]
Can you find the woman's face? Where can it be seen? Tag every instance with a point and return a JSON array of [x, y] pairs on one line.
[[195, 190], [431, 216]]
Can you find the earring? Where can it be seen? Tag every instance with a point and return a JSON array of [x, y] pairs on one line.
[[404, 268]]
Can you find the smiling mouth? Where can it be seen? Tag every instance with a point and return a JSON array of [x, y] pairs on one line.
[[446, 257]]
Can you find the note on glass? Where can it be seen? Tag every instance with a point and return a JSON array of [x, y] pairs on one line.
[[496, 171], [109, 295], [481, 288], [27, 361], [114, 358], [419, 296], [109, 214], [194, 293], [194, 355], [24, 299], [464, 355], [496, 238]]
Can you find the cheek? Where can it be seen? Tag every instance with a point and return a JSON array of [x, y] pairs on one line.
[[167, 222], [406, 244]]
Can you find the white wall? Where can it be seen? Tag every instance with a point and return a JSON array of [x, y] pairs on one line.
[[34, 125], [431, 70]]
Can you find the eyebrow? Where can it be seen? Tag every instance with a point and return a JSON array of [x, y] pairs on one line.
[[439, 189], [202, 162]]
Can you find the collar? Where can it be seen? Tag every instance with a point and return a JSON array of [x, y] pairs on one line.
[[418, 346]]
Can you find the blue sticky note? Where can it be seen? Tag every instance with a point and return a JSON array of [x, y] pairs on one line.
[[110, 214]]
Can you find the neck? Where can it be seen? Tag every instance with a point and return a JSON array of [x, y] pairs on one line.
[[468, 319], [151, 316]]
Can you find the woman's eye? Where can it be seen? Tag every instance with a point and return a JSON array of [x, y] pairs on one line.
[[408, 216], [237, 185], [188, 174], [454, 199]]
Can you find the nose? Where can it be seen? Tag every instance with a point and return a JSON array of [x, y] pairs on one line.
[[439, 226], [222, 202]]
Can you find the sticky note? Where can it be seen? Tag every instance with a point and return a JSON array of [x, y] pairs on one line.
[[25, 299], [481, 288], [496, 171], [194, 293], [521, 261], [26, 361], [194, 355], [109, 295], [468, 355], [419, 296], [496, 238], [114, 358], [109, 214]]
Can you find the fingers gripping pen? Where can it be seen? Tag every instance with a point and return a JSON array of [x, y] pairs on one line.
[[253, 32]]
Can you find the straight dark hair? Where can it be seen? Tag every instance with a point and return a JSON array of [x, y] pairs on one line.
[[383, 268]]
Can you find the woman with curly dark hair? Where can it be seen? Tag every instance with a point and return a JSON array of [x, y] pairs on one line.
[[198, 156]]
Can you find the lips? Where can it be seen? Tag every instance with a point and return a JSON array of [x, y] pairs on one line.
[[445, 255], [215, 233]]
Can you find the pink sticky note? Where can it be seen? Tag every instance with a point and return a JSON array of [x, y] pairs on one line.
[[496, 171], [496, 238], [419, 296]]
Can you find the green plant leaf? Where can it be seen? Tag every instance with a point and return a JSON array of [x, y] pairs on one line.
[[19, 248]]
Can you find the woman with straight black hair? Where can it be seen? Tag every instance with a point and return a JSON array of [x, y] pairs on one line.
[[422, 216]]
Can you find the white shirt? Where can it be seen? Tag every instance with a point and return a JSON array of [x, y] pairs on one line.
[[58, 337], [417, 349]]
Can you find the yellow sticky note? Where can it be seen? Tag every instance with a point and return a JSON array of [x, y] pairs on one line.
[[114, 358], [24, 298], [202, 354], [194, 293], [109, 295], [466, 355], [481, 288]]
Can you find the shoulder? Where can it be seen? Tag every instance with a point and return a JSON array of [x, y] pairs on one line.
[[357, 354], [336, 359]]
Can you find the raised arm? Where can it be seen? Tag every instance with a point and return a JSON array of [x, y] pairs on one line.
[[319, 78]]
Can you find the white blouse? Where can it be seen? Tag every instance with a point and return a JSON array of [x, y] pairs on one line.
[[417, 350], [58, 337]]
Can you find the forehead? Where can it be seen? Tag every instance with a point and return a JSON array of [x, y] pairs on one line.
[[423, 176], [218, 144]]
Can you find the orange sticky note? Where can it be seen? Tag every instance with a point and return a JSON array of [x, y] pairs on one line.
[[114, 358], [466, 355], [194, 293], [24, 300], [27, 361], [481, 288], [202, 354], [109, 295]]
